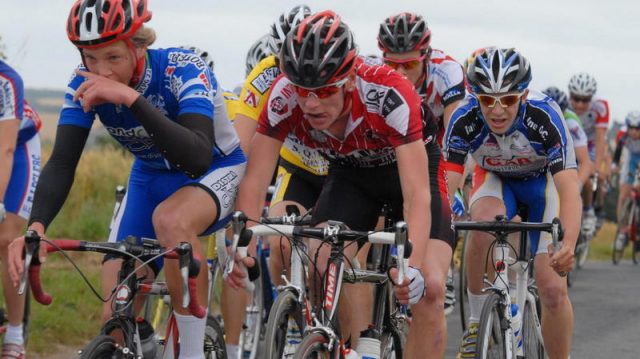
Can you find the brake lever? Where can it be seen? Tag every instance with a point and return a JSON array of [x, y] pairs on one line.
[[184, 260], [31, 247]]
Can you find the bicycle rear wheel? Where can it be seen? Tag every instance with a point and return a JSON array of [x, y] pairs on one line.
[[315, 346], [491, 336], [285, 306], [533, 347]]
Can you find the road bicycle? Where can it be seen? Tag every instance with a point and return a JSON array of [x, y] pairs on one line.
[[133, 333], [321, 337], [627, 231], [510, 319]]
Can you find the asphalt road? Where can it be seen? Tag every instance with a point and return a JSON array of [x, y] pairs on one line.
[[606, 303]]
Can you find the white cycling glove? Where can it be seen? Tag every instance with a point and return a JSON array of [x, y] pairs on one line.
[[3, 212], [417, 288]]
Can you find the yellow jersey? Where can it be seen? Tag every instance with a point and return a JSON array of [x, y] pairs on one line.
[[253, 97]]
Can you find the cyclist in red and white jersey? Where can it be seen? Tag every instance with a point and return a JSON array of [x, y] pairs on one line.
[[367, 120], [594, 115], [405, 41], [19, 172]]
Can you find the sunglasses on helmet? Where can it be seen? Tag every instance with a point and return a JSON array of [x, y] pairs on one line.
[[321, 92], [504, 100], [407, 64]]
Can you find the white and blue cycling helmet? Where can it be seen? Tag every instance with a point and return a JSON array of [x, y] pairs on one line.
[[497, 71]]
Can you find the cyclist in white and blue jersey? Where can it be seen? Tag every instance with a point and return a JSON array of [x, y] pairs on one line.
[[161, 105], [627, 150], [524, 154], [19, 171]]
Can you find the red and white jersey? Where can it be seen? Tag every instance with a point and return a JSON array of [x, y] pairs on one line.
[[444, 82], [385, 113], [597, 116]]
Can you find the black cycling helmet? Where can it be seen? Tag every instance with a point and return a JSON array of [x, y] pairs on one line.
[[287, 21], [496, 71], [404, 32], [319, 51]]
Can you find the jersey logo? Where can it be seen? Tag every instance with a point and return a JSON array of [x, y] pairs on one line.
[[278, 105], [251, 99], [263, 82], [391, 102], [506, 162]]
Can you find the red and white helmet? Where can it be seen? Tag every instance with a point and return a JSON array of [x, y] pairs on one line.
[[94, 23]]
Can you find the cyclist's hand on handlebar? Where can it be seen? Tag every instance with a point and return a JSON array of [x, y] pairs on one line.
[[562, 260], [412, 289], [236, 279]]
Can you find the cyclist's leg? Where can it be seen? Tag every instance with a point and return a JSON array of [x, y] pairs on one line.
[[17, 201], [428, 333], [199, 206], [557, 312]]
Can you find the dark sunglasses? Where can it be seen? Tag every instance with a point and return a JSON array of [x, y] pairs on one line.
[[584, 99]]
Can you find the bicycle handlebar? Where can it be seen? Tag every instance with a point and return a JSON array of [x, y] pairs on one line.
[[188, 262], [501, 226], [335, 232]]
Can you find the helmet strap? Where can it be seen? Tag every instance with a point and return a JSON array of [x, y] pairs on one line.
[[139, 62]]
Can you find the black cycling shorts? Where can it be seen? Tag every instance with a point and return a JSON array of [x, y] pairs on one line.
[[296, 184]]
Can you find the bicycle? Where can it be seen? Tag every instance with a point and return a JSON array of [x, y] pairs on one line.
[[587, 232], [499, 334], [627, 231], [134, 343], [321, 335]]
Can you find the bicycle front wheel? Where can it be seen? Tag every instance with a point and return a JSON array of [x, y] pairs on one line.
[[101, 347], [286, 306], [531, 333], [491, 338], [214, 347], [315, 345], [462, 286]]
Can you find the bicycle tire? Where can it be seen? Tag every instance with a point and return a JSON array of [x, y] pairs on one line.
[[101, 347], [491, 342], [253, 328], [462, 287], [533, 347], [617, 250], [314, 346], [581, 258], [214, 346], [285, 305], [392, 344]]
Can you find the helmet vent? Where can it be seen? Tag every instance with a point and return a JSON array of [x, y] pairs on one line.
[[87, 21], [106, 6]]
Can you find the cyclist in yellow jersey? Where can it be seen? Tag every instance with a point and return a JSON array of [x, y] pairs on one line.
[[301, 169]]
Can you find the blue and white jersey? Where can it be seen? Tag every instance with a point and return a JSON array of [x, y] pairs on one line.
[[537, 142], [176, 82], [12, 104]]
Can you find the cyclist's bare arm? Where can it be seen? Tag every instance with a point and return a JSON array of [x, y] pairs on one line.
[[585, 165], [601, 145], [416, 196], [570, 213], [245, 127]]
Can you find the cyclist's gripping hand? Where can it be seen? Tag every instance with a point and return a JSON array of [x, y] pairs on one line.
[[412, 289], [236, 279], [562, 260], [16, 256]]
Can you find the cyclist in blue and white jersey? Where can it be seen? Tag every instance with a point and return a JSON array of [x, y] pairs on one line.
[[19, 171], [160, 104], [524, 154], [627, 150], [580, 143]]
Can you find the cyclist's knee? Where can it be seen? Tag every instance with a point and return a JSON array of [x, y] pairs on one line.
[[169, 224], [553, 294], [435, 293]]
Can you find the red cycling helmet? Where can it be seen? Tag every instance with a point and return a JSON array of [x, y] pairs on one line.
[[404, 32], [94, 23], [318, 51]]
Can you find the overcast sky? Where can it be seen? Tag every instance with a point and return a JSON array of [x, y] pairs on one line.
[[559, 37]]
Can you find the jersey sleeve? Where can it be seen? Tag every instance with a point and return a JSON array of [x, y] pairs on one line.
[[72, 112], [11, 95], [452, 86], [276, 117], [556, 140], [191, 83], [577, 133], [256, 88], [601, 108], [456, 140]]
